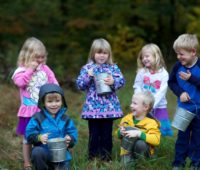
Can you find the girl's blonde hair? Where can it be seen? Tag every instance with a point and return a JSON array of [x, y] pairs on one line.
[[146, 97], [31, 48], [156, 53], [100, 45], [187, 42]]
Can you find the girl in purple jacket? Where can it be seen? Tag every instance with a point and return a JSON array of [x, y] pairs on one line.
[[100, 108], [31, 74]]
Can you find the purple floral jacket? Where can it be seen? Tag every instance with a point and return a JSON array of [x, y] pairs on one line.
[[100, 106]]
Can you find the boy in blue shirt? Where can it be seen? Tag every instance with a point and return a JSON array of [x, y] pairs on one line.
[[50, 122], [184, 81]]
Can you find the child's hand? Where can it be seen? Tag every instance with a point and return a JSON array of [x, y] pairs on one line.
[[133, 133], [90, 72], [184, 75], [109, 80], [68, 139], [122, 130], [184, 97], [33, 65], [43, 138]]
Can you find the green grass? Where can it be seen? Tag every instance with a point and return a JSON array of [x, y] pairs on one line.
[[10, 144]]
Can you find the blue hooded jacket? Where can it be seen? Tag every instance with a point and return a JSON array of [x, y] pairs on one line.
[[42, 122]]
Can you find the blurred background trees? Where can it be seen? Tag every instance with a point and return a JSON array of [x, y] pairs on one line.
[[68, 27]]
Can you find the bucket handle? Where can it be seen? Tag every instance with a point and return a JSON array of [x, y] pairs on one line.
[[196, 110]]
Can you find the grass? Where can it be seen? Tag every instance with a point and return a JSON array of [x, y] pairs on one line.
[[10, 144]]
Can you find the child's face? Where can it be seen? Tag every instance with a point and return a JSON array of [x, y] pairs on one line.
[[101, 57], [39, 59], [187, 58], [53, 103], [147, 59], [138, 108]]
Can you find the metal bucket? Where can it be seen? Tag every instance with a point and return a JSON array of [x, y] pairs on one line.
[[128, 143], [182, 118], [57, 148], [101, 87]]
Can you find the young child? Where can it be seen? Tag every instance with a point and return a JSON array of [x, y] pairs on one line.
[[184, 81], [146, 134], [100, 109], [31, 74], [152, 76], [50, 122]]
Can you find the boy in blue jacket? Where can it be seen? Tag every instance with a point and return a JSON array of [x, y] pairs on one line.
[[184, 81], [50, 122]]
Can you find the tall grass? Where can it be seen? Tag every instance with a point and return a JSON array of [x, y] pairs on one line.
[[10, 144]]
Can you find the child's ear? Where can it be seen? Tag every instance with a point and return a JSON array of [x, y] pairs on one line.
[[146, 107], [194, 52]]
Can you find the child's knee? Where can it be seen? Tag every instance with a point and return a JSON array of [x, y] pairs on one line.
[[140, 147], [38, 153]]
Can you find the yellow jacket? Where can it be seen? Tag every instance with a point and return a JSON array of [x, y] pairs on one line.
[[150, 127]]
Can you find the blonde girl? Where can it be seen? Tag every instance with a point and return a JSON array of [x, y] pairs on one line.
[[100, 109], [31, 74], [152, 76]]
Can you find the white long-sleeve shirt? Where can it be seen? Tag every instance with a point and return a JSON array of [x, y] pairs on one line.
[[156, 83]]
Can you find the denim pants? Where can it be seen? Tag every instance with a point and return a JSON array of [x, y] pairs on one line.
[[40, 159], [188, 145]]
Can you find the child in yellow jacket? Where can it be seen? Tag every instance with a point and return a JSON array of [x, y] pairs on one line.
[[139, 133]]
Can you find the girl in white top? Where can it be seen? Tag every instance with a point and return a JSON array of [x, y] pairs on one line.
[[152, 76]]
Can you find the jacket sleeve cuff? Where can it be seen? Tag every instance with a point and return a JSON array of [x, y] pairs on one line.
[[119, 134], [71, 144], [143, 136], [33, 139]]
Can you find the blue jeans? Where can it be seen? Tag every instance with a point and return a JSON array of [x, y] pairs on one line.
[[40, 159], [188, 145]]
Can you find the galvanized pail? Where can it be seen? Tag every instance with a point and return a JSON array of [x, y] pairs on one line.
[[101, 87], [128, 143], [57, 148], [182, 118]]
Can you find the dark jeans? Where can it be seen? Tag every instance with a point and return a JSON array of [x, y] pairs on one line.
[[40, 159], [188, 145], [100, 138]]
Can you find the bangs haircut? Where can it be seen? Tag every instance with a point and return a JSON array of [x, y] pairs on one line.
[[187, 42], [100, 46], [52, 96], [155, 52], [30, 49]]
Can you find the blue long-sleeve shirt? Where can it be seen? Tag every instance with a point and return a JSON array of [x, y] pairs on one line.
[[191, 86]]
